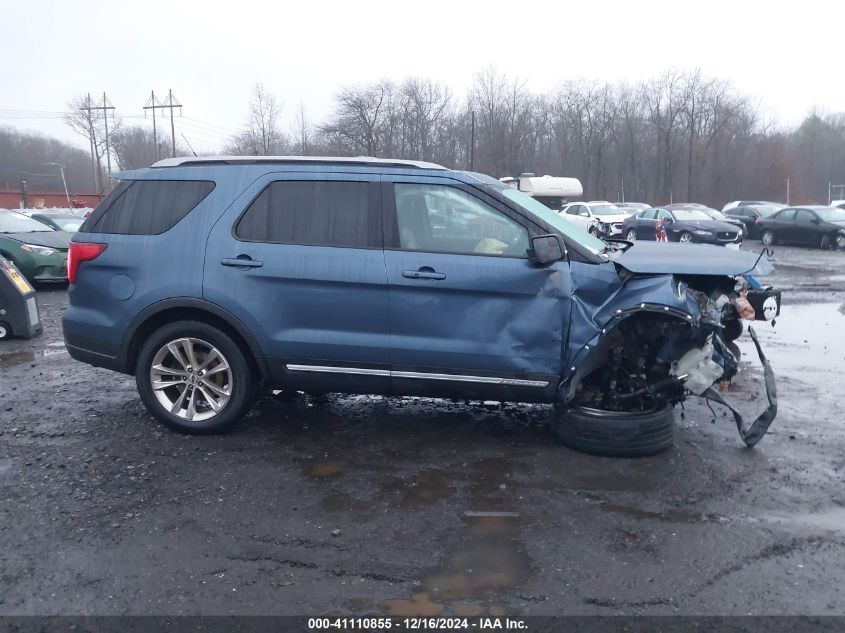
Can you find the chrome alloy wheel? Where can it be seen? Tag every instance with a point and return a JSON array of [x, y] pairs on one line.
[[191, 379]]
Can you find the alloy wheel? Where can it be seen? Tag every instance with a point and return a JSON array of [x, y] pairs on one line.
[[191, 379]]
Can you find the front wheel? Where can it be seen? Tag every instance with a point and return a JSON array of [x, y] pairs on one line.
[[615, 433], [768, 238], [631, 235], [194, 378], [594, 231], [685, 238]]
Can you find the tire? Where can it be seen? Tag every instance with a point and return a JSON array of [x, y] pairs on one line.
[[826, 243], [5, 331], [230, 385], [685, 237], [614, 434], [768, 238], [631, 235], [733, 330], [594, 231]]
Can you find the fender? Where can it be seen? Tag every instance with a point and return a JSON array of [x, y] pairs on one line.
[[192, 303]]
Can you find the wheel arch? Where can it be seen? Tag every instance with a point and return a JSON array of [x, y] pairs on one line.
[[191, 309]]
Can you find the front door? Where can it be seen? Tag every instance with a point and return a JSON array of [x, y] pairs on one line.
[[298, 259], [470, 316]]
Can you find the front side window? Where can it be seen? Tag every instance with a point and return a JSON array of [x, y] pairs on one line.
[[786, 216], [805, 216], [439, 218], [310, 212], [649, 215]]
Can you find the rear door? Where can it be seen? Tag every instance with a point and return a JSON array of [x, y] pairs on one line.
[[470, 316], [645, 225], [806, 230], [298, 258]]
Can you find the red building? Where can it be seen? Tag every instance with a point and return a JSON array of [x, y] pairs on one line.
[[13, 199]]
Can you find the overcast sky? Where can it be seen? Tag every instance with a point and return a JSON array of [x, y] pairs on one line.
[[788, 57]]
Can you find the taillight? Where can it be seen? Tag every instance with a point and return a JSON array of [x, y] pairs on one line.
[[81, 252]]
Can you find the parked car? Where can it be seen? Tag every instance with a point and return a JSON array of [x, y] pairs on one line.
[[838, 203], [819, 226], [749, 203], [713, 214], [751, 216], [682, 225], [324, 275], [59, 221], [39, 252], [632, 208], [601, 218]]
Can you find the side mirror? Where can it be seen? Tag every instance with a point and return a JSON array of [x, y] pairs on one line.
[[546, 249]]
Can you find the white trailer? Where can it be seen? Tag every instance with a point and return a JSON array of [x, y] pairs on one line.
[[552, 191]]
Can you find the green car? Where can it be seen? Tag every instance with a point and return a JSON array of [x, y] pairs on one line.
[[39, 252]]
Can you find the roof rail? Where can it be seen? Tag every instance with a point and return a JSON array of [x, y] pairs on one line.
[[292, 160]]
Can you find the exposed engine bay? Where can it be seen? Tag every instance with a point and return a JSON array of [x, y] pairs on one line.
[[651, 359]]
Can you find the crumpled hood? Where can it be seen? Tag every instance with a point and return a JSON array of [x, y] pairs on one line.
[[691, 259], [53, 239]]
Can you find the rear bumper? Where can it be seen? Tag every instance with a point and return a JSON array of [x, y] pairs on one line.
[[97, 359]]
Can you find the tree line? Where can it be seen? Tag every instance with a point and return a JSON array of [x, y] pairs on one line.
[[681, 136]]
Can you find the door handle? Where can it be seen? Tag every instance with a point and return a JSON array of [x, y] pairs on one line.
[[426, 272], [241, 261]]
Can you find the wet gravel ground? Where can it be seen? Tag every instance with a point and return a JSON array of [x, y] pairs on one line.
[[360, 505]]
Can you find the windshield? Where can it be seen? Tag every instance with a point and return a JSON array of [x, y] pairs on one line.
[[566, 227], [69, 224], [605, 209], [831, 214], [716, 215], [765, 210], [689, 214], [12, 222]]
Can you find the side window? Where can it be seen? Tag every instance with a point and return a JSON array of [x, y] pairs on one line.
[[573, 209], [663, 214], [445, 219], [648, 215], [787, 215], [583, 211], [805, 216], [147, 207], [310, 212]]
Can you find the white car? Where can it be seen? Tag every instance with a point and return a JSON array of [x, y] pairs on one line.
[[599, 217]]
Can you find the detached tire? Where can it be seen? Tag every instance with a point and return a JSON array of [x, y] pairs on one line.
[[5, 331], [613, 434], [195, 378]]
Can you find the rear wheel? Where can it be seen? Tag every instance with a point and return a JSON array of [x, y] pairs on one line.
[[194, 378], [631, 235], [614, 433], [768, 237]]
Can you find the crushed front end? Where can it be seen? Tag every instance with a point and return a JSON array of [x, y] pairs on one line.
[[659, 337]]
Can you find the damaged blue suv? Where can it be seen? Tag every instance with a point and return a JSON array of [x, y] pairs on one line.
[[215, 280]]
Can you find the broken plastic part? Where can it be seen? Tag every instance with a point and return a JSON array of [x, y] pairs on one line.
[[760, 426]]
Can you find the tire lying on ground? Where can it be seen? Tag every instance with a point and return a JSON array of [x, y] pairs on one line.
[[614, 434]]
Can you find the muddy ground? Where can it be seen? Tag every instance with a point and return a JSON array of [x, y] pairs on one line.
[[400, 506]]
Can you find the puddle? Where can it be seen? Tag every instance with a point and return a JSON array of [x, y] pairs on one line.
[[429, 486], [804, 339], [325, 468], [674, 515], [19, 358], [16, 358], [832, 520]]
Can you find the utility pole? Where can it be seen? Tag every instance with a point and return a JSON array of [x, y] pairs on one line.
[[472, 140], [104, 107], [64, 182], [94, 177], [154, 104]]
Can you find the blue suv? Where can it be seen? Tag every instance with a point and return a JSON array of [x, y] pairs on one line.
[[214, 280]]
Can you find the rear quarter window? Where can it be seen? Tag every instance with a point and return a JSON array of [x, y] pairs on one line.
[[147, 207]]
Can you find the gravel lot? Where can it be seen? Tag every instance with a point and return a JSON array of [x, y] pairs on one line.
[[361, 505]]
